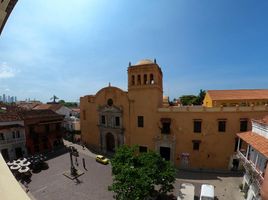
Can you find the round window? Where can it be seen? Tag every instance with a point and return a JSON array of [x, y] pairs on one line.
[[110, 102]]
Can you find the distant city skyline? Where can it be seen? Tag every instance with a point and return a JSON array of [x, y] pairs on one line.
[[7, 98], [76, 48]]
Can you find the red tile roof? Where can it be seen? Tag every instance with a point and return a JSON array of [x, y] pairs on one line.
[[8, 117], [9, 113], [53, 107], [238, 94], [257, 141], [28, 114]]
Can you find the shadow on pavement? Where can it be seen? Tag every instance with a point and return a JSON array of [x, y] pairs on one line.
[[56, 152]]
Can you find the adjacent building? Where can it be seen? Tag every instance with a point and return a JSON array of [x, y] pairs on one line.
[[253, 152], [59, 109], [230, 98], [12, 136], [189, 136], [43, 130]]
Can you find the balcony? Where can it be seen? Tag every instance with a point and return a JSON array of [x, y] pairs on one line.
[[13, 141], [254, 174]]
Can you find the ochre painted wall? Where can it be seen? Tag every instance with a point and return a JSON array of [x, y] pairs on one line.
[[216, 148]]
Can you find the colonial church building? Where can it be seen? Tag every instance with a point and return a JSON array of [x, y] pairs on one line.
[[188, 136]]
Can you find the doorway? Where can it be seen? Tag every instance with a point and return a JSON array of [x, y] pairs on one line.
[[165, 152], [18, 152], [110, 142], [5, 154]]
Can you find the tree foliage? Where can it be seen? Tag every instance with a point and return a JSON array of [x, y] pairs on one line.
[[187, 100], [68, 104], [192, 99], [137, 175]]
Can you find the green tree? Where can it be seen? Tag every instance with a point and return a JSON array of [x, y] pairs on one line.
[[61, 102], [136, 175], [199, 99], [187, 99], [192, 99]]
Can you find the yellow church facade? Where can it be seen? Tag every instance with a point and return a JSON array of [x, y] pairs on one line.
[[194, 137]]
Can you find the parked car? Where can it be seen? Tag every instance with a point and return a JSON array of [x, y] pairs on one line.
[[187, 192], [102, 159], [207, 192]]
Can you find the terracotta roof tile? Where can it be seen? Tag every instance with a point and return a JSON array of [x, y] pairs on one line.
[[257, 141], [26, 114], [238, 94], [53, 107], [8, 117]]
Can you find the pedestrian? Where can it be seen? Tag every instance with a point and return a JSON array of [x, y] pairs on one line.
[[84, 163], [83, 146]]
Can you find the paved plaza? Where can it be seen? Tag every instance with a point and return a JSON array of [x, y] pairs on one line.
[[51, 184]]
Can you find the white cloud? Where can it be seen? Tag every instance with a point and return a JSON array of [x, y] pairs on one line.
[[6, 71]]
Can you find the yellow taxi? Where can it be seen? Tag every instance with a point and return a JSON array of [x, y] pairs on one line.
[[102, 159]]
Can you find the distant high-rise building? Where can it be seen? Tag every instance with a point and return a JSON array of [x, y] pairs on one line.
[[4, 98]]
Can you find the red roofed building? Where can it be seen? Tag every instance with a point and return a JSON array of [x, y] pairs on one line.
[[43, 130], [59, 109], [12, 135], [217, 98], [253, 152]]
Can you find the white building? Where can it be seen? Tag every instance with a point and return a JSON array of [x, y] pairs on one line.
[[253, 151], [12, 136], [73, 124]]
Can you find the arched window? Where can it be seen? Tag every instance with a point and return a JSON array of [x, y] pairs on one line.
[[110, 102], [145, 79], [151, 79], [139, 80], [132, 80]]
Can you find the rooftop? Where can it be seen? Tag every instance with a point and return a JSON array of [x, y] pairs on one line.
[[257, 141], [27, 114], [238, 94], [145, 62], [52, 106]]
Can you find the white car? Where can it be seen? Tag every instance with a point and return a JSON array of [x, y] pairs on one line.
[[187, 191], [207, 192]]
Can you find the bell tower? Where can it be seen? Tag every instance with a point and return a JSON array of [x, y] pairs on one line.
[[145, 82]]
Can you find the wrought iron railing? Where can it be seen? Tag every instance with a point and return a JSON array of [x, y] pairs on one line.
[[255, 175], [12, 141]]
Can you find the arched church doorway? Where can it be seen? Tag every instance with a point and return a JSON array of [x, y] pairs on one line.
[[110, 142]]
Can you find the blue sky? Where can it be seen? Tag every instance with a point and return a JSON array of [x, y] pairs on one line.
[[74, 48]]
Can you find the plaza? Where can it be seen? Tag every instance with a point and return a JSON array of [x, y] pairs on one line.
[[51, 184]]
